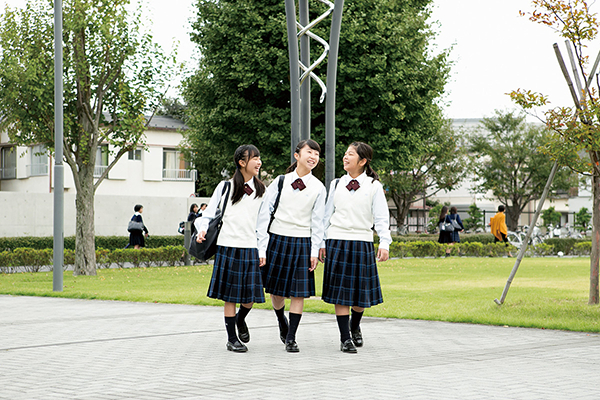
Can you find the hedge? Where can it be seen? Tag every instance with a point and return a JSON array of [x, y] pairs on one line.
[[102, 242], [33, 260]]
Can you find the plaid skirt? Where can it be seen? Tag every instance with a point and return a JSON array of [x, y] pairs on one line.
[[350, 276], [286, 272], [236, 276]]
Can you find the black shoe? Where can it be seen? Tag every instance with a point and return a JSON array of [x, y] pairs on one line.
[[348, 347], [243, 332], [357, 337], [236, 347], [291, 346], [283, 332]]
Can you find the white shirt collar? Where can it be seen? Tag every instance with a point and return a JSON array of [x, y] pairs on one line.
[[250, 183], [361, 178], [305, 178]]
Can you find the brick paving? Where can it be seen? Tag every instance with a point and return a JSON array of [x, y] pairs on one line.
[[57, 349]]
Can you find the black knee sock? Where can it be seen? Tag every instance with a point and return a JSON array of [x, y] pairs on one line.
[[241, 314], [294, 322], [280, 315], [355, 321], [342, 321], [230, 326]]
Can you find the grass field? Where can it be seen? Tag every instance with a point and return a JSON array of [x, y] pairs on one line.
[[549, 293]]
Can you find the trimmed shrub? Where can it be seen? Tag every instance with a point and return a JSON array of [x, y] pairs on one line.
[[583, 248]]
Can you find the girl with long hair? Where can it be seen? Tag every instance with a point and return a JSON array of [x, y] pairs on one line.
[[289, 241], [356, 203], [236, 273]]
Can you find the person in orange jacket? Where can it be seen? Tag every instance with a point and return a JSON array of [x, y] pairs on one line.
[[499, 228]]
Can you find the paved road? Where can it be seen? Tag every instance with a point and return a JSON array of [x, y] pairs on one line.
[[57, 349]]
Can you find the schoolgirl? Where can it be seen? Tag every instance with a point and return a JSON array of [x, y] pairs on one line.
[[136, 236], [289, 248], [236, 274], [356, 202]]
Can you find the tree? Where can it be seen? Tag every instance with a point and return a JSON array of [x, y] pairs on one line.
[[387, 92], [551, 217], [111, 75], [508, 162], [441, 166], [582, 219], [475, 220], [575, 131]]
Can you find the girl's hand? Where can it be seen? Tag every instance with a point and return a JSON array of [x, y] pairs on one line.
[[313, 263], [201, 237], [322, 254], [262, 262], [382, 255]]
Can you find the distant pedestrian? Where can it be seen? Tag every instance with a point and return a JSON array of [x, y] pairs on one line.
[[193, 215], [457, 224], [202, 208], [499, 228], [136, 236]]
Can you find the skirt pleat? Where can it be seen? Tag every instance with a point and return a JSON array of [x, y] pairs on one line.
[[286, 272], [350, 276], [236, 276]]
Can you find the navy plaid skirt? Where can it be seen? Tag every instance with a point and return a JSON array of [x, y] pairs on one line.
[[350, 276], [286, 272], [236, 276]]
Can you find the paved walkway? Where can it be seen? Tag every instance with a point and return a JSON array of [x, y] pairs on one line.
[[53, 348]]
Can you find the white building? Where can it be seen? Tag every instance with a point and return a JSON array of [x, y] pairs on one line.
[[156, 177]]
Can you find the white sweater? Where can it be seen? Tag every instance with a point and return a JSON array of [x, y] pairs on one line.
[[239, 222], [350, 215], [299, 214]]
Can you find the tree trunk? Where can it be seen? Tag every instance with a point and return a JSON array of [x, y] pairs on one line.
[[513, 213], [403, 208], [85, 248], [595, 256]]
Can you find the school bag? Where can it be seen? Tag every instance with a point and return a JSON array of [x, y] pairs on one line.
[[208, 248], [181, 228]]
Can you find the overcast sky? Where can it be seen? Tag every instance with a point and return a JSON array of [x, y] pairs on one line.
[[494, 50]]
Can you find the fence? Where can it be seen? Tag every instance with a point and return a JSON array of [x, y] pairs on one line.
[[419, 224]]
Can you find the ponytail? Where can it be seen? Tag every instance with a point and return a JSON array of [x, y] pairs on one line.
[[365, 151]]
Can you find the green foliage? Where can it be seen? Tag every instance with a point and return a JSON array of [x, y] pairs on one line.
[[102, 242], [387, 88], [440, 166], [542, 250], [551, 217], [508, 161], [475, 219], [112, 76], [582, 219], [583, 249]]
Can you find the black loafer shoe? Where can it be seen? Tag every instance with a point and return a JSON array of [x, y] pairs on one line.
[[291, 347], [348, 347], [236, 347], [283, 332], [357, 338], [243, 332]]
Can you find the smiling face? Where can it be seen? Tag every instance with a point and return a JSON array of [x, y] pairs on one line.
[[251, 167], [353, 164], [307, 159]]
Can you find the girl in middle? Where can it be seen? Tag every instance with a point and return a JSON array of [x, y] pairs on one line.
[[288, 246]]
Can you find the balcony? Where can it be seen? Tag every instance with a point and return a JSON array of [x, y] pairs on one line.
[[8, 173], [179, 175], [37, 169]]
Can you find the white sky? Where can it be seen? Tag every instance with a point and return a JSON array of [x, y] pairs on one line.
[[495, 50]]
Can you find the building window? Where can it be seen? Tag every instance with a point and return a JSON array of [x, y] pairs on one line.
[[175, 167], [9, 163], [39, 161], [101, 161], [136, 154]]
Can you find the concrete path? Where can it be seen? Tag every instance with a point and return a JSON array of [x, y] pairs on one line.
[[57, 349]]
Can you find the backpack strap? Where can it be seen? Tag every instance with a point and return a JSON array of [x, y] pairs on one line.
[[226, 187], [279, 187]]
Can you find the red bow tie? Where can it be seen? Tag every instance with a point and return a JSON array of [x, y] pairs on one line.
[[248, 189], [353, 185], [298, 184]]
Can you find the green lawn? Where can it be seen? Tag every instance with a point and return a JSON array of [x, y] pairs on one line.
[[548, 293]]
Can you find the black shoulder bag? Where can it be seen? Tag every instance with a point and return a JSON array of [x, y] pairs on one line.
[[208, 248]]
